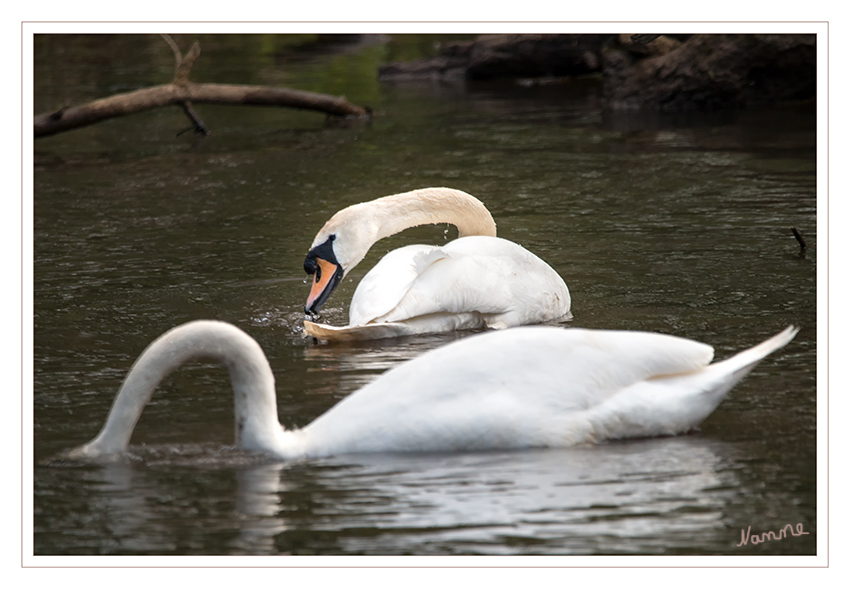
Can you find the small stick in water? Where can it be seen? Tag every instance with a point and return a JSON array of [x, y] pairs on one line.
[[799, 239]]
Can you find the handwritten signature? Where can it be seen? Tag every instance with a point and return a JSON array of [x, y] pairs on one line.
[[746, 538]]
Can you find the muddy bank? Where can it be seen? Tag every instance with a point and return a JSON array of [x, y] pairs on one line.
[[657, 72]]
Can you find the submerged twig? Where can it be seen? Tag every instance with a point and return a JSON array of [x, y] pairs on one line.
[[799, 239], [197, 124]]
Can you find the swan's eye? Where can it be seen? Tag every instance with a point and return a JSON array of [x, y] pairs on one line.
[[320, 253], [310, 265]]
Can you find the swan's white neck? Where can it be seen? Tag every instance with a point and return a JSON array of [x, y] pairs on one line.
[[255, 404], [359, 226]]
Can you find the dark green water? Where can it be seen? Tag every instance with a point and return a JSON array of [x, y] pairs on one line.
[[679, 225]]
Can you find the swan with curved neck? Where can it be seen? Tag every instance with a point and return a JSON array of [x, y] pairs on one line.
[[477, 280], [519, 388]]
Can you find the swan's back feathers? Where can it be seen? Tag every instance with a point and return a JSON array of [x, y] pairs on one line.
[[545, 358], [531, 385], [535, 386], [502, 282]]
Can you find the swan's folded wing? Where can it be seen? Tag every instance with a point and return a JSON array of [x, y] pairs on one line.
[[386, 284], [554, 367], [507, 381], [549, 367], [500, 281], [603, 362]]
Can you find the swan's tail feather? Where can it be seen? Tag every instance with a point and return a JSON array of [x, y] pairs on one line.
[[740, 364]]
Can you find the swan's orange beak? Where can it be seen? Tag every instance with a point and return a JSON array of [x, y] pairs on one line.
[[325, 280]]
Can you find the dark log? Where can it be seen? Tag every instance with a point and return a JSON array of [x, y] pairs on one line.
[[121, 105], [506, 56], [181, 92]]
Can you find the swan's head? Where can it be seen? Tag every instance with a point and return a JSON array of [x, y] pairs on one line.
[[346, 238], [338, 247], [327, 272]]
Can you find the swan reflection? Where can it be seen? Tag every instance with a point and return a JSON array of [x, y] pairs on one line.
[[636, 497], [639, 497]]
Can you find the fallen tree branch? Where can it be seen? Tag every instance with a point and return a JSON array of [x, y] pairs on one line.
[[181, 92], [121, 105]]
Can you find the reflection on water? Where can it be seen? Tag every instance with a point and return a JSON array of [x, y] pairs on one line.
[[576, 501], [672, 224], [641, 497]]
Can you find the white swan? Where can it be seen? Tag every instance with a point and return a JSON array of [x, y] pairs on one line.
[[539, 386], [477, 280]]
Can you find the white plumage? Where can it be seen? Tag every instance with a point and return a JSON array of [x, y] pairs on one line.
[[527, 387], [477, 280]]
